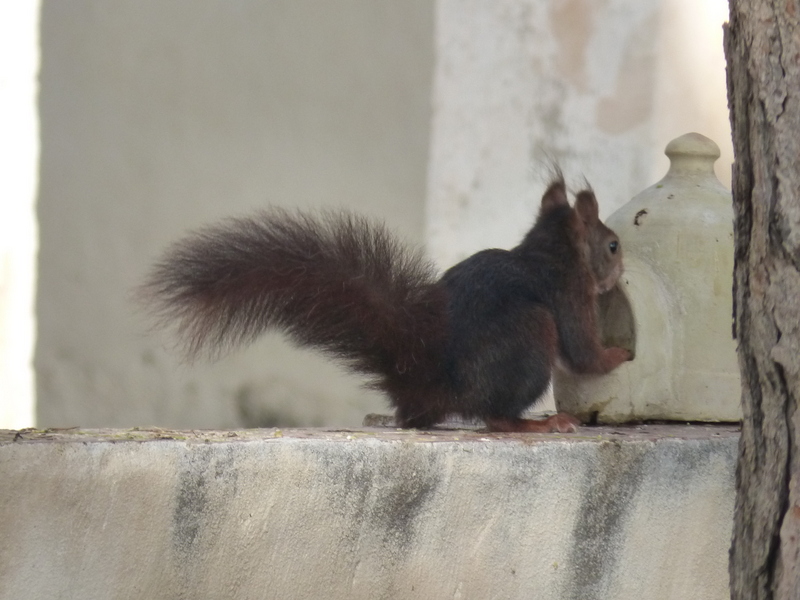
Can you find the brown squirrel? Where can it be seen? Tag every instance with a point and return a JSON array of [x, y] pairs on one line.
[[479, 342]]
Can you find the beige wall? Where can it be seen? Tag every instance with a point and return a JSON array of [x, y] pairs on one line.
[[160, 116], [599, 87]]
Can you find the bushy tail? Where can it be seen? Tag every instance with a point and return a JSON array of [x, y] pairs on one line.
[[334, 282]]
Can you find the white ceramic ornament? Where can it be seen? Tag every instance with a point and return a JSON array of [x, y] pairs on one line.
[[673, 305]]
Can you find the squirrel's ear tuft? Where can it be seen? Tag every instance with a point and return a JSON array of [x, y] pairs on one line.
[[555, 196], [587, 208]]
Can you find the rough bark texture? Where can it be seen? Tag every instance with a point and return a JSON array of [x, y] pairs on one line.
[[762, 44]]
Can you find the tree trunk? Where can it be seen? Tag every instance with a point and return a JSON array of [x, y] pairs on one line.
[[762, 44]]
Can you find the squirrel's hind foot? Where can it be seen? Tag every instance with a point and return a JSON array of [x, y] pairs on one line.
[[557, 423]]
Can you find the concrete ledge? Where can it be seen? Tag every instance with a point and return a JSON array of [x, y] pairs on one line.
[[641, 512]]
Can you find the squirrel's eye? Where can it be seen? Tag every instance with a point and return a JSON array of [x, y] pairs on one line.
[[613, 246]]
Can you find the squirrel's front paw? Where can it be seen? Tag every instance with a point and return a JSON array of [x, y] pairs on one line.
[[614, 357]]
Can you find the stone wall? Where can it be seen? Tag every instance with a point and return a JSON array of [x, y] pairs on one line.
[[625, 513]]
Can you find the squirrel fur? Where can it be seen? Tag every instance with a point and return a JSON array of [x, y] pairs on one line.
[[480, 341]]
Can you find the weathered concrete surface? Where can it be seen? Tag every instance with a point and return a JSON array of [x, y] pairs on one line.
[[642, 512]]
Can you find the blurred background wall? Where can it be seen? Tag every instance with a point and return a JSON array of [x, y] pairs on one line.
[[435, 116], [158, 117]]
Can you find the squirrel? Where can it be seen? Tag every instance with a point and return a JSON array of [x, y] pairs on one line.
[[479, 342]]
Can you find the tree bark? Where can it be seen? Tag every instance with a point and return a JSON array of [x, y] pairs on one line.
[[762, 44]]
